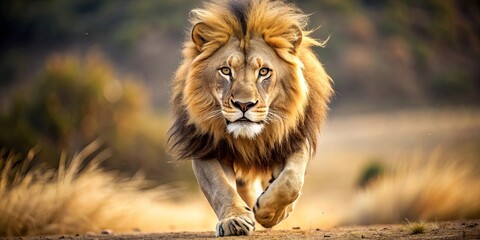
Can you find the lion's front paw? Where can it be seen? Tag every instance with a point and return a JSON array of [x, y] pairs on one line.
[[271, 213], [235, 226]]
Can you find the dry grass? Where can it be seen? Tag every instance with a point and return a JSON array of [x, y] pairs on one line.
[[422, 187], [79, 199], [416, 227]]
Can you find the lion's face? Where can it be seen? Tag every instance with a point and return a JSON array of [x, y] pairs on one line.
[[249, 86], [246, 83]]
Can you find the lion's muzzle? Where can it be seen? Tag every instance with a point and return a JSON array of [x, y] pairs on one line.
[[244, 106]]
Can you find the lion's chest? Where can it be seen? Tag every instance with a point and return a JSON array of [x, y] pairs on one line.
[[256, 155]]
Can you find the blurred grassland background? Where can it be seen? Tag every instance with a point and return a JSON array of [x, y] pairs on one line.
[[84, 115]]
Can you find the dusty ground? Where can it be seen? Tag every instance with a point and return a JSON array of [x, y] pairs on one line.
[[460, 229]]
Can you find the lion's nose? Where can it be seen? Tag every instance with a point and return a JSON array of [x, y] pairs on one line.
[[244, 106]]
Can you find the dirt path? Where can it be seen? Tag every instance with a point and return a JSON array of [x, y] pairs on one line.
[[460, 229]]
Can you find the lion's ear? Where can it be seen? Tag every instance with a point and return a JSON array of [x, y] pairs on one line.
[[199, 33], [296, 37]]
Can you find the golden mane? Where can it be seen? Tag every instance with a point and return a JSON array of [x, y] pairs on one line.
[[275, 21], [282, 27]]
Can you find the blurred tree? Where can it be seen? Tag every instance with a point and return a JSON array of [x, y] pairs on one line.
[[77, 100], [370, 172]]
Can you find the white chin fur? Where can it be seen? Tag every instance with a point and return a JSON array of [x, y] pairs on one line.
[[248, 130]]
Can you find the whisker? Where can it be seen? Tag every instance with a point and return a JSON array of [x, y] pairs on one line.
[[273, 116], [216, 113]]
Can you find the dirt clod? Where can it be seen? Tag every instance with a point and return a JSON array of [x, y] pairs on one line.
[[106, 232]]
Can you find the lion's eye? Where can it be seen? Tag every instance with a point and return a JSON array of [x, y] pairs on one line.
[[226, 71], [263, 72]]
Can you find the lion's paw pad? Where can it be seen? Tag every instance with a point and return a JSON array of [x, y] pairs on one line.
[[235, 226], [269, 217]]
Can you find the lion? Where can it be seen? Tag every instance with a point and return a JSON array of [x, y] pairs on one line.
[[248, 100]]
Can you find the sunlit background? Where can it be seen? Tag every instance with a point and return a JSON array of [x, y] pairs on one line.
[[84, 115]]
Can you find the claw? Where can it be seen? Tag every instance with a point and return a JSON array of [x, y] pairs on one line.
[[235, 226]]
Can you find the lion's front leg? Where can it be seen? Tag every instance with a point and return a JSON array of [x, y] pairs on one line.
[[276, 202], [217, 182]]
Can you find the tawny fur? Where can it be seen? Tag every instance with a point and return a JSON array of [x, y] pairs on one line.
[[199, 131]]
